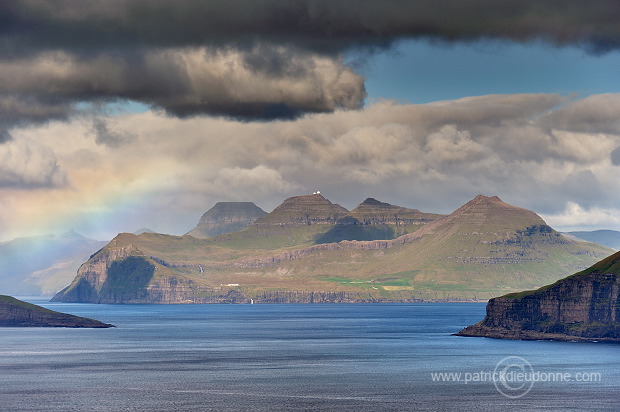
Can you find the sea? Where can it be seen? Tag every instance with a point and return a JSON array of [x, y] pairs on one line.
[[296, 357]]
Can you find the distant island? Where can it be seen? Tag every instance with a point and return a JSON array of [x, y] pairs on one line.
[[310, 250], [609, 238], [17, 313], [583, 307]]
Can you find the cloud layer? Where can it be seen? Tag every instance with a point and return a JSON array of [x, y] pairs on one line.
[[323, 25], [203, 65], [263, 59], [433, 157]]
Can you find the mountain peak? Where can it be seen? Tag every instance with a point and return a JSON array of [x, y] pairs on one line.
[[372, 201], [226, 217], [373, 211], [72, 234], [489, 216], [492, 210], [306, 209], [487, 199]]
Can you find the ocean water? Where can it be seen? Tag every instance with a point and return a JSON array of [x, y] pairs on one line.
[[367, 357]]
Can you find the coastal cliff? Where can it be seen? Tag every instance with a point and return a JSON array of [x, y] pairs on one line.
[[17, 313], [584, 306]]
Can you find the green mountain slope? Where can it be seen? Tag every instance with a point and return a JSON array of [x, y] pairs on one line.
[[483, 249]]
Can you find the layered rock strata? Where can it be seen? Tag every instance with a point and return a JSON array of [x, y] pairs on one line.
[[585, 306]]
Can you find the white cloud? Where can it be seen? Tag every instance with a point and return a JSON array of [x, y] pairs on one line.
[[241, 183], [576, 217], [433, 157], [27, 164]]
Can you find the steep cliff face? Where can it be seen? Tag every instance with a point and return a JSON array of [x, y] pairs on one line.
[[227, 217], [585, 306], [117, 273], [17, 313]]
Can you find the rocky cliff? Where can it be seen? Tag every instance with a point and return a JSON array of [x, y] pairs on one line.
[[227, 217], [584, 306], [17, 313]]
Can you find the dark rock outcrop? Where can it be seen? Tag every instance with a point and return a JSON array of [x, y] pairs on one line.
[[17, 313], [584, 306], [227, 217]]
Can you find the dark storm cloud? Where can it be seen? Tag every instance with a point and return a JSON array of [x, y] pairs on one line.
[[24, 109], [260, 59], [324, 25], [107, 137], [260, 83]]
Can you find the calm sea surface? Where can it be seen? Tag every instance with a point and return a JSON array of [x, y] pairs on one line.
[[369, 357]]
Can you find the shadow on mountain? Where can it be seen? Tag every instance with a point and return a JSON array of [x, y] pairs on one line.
[[128, 279], [350, 228]]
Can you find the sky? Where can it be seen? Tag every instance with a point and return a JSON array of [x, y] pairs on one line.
[[117, 115]]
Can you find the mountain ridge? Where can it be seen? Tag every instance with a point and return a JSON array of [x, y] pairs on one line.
[[484, 248]]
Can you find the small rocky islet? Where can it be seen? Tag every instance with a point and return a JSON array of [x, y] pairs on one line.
[[17, 313]]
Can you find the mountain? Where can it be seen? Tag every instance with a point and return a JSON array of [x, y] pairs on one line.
[[303, 221], [584, 306], [609, 238], [375, 220], [40, 265], [17, 313], [226, 217], [143, 230], [483, 249], [304, 210]]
